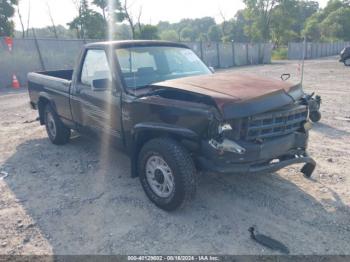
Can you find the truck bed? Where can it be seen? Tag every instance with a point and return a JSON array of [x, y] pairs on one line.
[[55, 85], [64, 74], [59, 75]]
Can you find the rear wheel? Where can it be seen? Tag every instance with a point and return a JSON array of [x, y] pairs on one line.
[[167, 173], [347, 62], [57, 132]]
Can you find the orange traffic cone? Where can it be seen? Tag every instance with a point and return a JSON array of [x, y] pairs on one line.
[[15, 83]]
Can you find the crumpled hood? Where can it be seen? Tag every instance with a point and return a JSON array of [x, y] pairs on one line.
[[239, 90]]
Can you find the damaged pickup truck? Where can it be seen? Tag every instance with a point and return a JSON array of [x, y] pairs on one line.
[[173, 116]]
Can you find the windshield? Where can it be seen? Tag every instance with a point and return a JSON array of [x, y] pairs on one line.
[[142, 66]]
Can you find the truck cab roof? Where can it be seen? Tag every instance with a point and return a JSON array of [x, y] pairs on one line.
[[134, 43]]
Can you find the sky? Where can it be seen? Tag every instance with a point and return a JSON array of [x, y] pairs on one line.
[[153, 11]]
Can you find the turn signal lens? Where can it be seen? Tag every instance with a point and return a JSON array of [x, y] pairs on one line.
[[307, 126]]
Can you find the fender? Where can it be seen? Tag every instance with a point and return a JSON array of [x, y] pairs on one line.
[[143, 132], [46, 96], [161, 127]]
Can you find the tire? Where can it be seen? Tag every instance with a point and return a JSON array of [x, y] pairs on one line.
[[57, 132], [176, 173], [347, 62], [315, 116]]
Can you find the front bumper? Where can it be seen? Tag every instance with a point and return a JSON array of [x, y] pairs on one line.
[[265, 157], [258, 168]]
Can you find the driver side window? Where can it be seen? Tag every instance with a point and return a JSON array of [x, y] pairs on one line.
[[95, 67]]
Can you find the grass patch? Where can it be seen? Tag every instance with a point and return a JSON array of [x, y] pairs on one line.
[[280, 53]]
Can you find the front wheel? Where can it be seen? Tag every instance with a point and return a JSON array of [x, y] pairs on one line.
[[57, 132], [167, 173]]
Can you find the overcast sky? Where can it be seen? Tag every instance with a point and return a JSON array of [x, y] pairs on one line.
[[63, 11]]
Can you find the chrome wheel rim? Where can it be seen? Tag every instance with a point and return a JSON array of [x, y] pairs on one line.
[[159, 176], [51, 125]]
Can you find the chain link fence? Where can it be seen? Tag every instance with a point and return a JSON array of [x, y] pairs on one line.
[[30, 55], [315, 50]]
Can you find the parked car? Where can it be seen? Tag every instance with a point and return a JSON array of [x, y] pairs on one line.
[[345, 56], [163, 106]]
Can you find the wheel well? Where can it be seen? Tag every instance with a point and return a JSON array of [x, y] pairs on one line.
[[146, 135], [142, 137], [41, 107]]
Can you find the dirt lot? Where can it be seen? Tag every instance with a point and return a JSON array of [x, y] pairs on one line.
[[80, 199]]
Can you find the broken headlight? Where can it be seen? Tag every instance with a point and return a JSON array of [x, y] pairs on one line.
[[223, 141], [227, 146], [224, 127]]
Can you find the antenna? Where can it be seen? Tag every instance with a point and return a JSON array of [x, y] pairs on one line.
[[303, 62]]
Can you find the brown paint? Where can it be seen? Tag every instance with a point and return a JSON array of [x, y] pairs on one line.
[[228, 87]]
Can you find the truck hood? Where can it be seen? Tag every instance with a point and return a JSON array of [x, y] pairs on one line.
[[239, 94]]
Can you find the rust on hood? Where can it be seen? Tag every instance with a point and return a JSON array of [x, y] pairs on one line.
[[226, 88]]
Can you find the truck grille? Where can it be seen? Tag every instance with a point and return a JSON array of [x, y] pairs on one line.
[[275, 123]]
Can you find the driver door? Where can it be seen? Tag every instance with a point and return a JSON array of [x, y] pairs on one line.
[[99, 107]]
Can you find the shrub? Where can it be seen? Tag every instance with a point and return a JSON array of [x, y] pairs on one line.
[[280, 53]]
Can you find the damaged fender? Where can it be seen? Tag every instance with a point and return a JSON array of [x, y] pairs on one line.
[[145, 131]]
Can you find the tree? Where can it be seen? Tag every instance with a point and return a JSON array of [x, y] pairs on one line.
[[333, 5], [104, 5], [226, 26], [304, 10], [7, 11], [148, 32], [124, 13], [202, 25], [214, 33], [331, 23], [258, 15], [88, 24], [235, 28], [283, 18], [238, 25], [95, 26], [169, 35], [278, 20], [188, 34], [180, 26], [312, 28], [79, 22], [122, 32], [190, 29], [337, 25], [164, 26]]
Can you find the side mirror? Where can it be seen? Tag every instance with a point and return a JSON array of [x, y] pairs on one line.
[[212, 69], [101, 84]]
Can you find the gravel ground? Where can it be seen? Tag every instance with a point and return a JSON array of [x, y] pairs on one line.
[[80, 199]]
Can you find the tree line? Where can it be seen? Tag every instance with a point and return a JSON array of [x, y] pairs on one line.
[[276, 21]]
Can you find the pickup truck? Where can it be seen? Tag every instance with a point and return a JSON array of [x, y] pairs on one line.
[[173, 116]]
